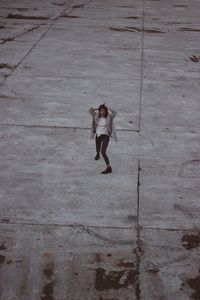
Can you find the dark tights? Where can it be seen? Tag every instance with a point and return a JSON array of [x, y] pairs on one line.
[[102, 143]]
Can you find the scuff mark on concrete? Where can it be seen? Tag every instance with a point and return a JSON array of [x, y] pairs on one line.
[[102, 238], [11, 39], [189, 29], [78, 6], [194, 58], [6, 66], [136, 29], [70, 16], [22, 17], [185, 210]]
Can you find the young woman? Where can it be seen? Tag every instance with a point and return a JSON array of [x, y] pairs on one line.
[[102, 129]]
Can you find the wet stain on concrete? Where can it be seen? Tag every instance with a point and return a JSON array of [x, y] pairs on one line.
[[190, 241], [2, 259], [48, 270], [3, 246], [48, 289], [194, 283], [106, 280], [194, 58], [21, 17], [130, 218]]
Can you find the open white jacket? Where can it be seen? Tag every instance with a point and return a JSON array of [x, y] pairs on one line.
[[110, 123]]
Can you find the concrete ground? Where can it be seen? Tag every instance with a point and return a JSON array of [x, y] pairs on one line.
[[67, 231]]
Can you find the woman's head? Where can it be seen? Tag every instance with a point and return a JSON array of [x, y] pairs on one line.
[[103, 111]]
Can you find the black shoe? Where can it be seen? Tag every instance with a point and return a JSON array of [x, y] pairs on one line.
[[97, 156], [107, 171]]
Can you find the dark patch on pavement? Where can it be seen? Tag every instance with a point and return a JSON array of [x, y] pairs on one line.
[[70, 16], [3, 246], [2, 259], [98, 257], [194, 58], [48, 270], [190, 241], [130, 218], [194, 283], [47, 292], [5, 220], [17, 16], [131, 17], [106, 280]]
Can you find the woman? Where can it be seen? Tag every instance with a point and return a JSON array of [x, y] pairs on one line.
[[103, 128]]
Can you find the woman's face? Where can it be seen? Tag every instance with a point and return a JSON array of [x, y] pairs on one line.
[[102, 112]]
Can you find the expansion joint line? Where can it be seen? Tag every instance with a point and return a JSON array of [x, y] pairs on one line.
[[138, 250]]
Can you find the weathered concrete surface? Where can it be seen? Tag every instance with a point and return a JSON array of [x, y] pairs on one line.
[[66, 231]]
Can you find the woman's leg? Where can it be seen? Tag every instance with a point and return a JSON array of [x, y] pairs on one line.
[[98, 146], [105, 142]]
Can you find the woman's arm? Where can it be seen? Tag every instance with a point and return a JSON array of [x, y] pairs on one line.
[[113, 112], [92, 111]]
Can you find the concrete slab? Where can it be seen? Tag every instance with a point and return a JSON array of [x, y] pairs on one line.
[[66, 231], [169, 186], [65, 101], [83, 64], [170, 262], [170, 106], [67, 263], [41, 178]]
